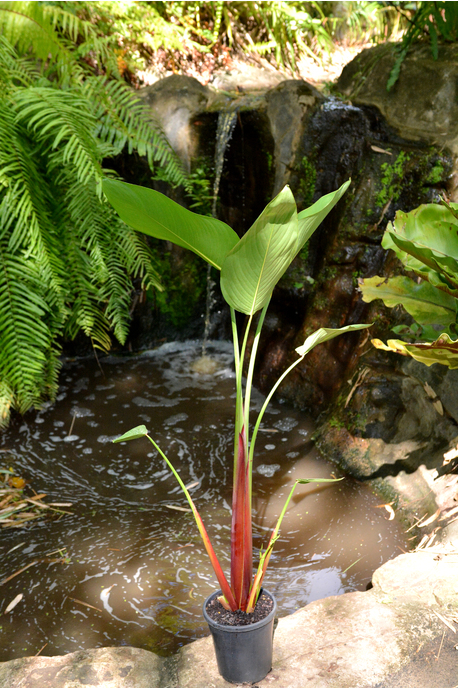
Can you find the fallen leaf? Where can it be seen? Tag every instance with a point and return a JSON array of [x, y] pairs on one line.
[[388, 508], [430, 519], [83, 603], [14, 603], [377, 149], [16, 482], [183, 510]]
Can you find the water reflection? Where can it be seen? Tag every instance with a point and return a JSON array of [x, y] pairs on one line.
[[137, 571]]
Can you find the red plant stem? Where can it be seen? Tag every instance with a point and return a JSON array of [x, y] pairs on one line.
[[241, 533]]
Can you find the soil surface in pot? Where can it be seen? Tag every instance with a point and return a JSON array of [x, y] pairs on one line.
[[219, 614]]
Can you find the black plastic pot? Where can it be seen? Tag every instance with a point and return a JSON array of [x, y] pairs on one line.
[[243, 652]]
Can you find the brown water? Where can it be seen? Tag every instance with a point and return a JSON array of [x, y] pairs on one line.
[[137, 561]]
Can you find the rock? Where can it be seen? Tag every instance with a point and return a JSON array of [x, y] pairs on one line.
[[288, 108], [247, 78], [110, 667], [173, 102], [423, 104]]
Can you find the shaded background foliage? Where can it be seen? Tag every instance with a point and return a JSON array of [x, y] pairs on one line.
[[69, 110]]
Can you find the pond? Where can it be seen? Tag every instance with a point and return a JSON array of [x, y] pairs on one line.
[[131, 569]]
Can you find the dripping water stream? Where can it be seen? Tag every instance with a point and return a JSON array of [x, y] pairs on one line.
[[225, 128], [137, 572]]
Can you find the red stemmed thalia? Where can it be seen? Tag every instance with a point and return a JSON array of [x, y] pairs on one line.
[[250, 268]]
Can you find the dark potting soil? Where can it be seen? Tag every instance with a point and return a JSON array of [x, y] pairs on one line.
[[219, 614]]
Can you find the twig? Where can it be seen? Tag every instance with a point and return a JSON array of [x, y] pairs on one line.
[[39, 652], [71, 425], [442, 641], [416, 523], [445, 621], [39, 560], [78, 601]]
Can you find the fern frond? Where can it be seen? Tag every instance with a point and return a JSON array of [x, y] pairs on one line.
[[27, 25], [28, 365], [124, 120], [24, 207]]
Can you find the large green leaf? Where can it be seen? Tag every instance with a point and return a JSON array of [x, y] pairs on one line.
[[444, 350], [324, 334], [156, 215], [428, 235], [310, 218], [423, 302], [255, 265]]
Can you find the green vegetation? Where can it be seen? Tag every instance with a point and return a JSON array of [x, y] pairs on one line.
[[66, 260], [436, 173], [307, 181], [430, 22], [426, 242], [205, 34], [184, 283], [392, 179]]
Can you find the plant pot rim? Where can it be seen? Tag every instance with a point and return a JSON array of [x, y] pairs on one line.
[[239, 628]]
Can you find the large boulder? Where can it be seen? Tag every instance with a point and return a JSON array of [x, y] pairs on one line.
[[174, 101], [423, 104]]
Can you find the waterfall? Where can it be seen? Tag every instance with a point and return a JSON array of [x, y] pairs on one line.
[[225, 128]]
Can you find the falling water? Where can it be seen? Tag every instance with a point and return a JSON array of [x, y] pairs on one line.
[[226, 124]]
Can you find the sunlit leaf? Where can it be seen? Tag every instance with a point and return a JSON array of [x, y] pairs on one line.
[[444, 350], [425, 303], [156, 215], [324, 334], [253, 267], [136, 432], [257, 262], [426, 240]]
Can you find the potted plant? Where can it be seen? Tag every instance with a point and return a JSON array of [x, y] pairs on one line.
[[250, 268]]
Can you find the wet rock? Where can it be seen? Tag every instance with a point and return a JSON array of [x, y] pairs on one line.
[[423, 104], [289, 106]]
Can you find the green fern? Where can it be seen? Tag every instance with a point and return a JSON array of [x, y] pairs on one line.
[[66, 261]]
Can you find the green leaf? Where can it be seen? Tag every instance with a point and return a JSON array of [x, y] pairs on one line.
[[428, 235], [318, 481], [156, 215], [310, 218], [324, 334], [425, 303], [444, 350], [253, 267], [136, 432]]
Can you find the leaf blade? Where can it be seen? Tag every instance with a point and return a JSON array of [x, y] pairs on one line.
[[425, 303], [156, 215], [253, 267], [323, 334]]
